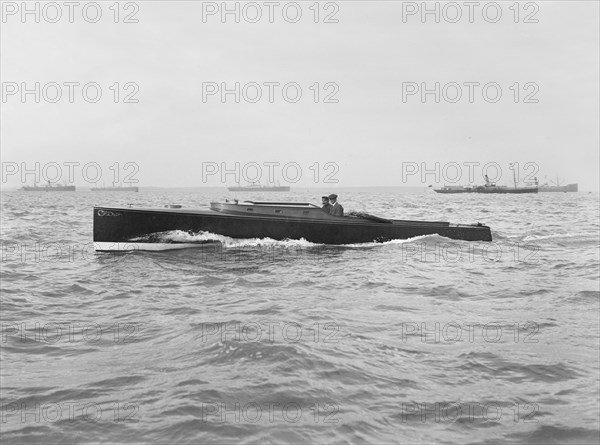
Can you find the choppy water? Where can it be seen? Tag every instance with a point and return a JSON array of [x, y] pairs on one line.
[[419, 341]]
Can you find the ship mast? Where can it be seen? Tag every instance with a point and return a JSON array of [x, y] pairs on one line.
[[512, 167]]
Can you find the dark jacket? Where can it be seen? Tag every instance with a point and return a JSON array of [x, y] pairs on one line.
[[327, 208], [336, 210]]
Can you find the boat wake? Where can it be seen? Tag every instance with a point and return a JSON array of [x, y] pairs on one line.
[[179, 239], [582, 235], [396, 241]]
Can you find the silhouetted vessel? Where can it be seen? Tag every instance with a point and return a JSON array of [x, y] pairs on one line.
[[490, 187], [126, 228], [453, 189], [557, 188], [49, 187], [115, 189], [257, 187]]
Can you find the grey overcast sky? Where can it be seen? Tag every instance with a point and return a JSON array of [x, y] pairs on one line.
[[374, 52]]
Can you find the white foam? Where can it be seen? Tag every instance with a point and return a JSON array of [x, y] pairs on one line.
[[391, 242], [560, 235], [179, 236], [178, 239], [133, 246]]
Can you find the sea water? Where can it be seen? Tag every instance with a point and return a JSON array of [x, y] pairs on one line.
[[427, 340]]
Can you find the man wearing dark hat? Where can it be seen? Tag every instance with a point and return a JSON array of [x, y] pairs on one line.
[[336, 208], [326, 206]]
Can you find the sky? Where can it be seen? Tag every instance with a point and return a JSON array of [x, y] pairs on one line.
[[503, 85]]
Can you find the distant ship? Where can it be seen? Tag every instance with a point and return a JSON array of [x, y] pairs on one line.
[[49, 187], [454, 189], [257, 187], [490, 187], [557, 188], [115, 189]]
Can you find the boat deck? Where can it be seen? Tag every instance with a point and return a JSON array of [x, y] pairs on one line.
[[273, 209]]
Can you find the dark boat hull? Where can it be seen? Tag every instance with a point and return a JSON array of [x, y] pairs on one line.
[[116, 227]]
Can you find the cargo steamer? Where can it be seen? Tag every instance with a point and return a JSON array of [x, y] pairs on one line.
[[49, 188], [490, 187]]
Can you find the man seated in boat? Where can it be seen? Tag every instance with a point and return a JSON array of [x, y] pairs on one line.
[[326, 206], [336, 208]]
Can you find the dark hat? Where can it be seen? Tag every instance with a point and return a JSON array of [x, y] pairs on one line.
[[333, 196], [324, 197]]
